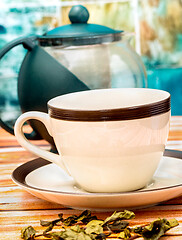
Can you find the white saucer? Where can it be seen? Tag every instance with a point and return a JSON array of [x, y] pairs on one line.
[[47, 181]]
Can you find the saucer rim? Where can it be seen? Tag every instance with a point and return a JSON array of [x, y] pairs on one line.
[[19, 176]]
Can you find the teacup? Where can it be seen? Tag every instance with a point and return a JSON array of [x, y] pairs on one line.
[[109, 140]]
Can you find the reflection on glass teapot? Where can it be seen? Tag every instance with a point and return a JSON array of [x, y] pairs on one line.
[[70, 58]]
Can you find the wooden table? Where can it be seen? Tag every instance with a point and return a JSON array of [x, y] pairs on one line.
[[19, 208]]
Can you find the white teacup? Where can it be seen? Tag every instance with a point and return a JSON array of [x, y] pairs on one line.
[[109, 140]]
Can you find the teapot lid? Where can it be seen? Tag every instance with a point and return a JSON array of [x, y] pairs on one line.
[[79, 32]]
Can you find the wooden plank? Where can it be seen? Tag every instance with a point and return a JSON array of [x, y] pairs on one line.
[[9, 140], [14, 198], [13, 222], [10, 161]]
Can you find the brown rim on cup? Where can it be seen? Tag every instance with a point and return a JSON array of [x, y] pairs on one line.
[[115, 114]]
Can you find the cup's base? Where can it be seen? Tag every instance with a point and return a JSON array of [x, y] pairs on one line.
[[110, 191]]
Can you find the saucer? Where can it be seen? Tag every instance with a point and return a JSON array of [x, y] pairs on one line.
[[47, 181]]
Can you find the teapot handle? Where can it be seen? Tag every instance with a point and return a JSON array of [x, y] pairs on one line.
[[28, 43]]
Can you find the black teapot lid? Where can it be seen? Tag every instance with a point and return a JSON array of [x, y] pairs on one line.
[[79, 32]]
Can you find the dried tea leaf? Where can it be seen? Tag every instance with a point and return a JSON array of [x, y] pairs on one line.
[[85, 217], [101, 236], [28, 233], [157, 228], [172, 222], [125, 234], [68, 234], [83, 236], [88, 219], [137, 229], [48, 223], [44, 223], [94, 226], [117, 226], [76, 228], [51, 224], [54, 235], [119, 216], [69, 221], [99, 229]]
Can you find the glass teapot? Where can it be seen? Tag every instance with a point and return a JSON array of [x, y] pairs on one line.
[[70, 58]]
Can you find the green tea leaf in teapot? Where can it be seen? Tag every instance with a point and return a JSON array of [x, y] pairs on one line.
[[119, 216], [28, 233]]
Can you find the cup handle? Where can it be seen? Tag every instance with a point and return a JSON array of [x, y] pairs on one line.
[[45, 119]]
